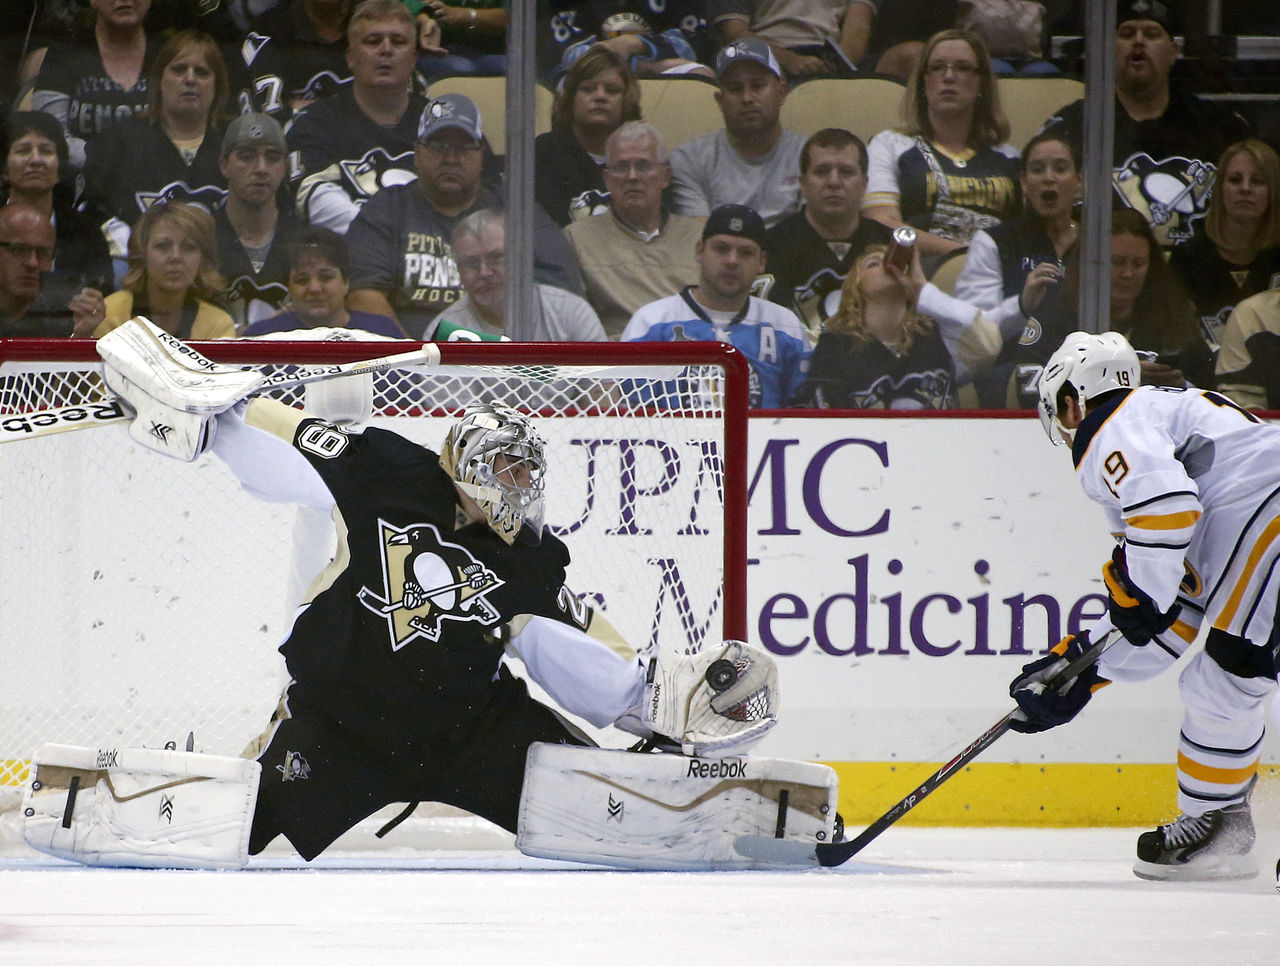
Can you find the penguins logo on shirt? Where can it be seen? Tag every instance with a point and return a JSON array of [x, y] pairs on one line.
[[376, 169], [1173, 194], [207, 197], [427, 581]]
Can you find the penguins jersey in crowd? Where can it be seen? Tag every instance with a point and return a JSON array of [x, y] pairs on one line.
[[1216, 285], [951, 197], [1249, 361], [339, 157], [257, 281], [1165, 167], [1192, 483], [404, 638], [772, 338], [669, 30], [272, 75]]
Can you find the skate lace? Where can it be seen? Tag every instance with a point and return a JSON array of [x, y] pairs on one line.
[[1187, 829]]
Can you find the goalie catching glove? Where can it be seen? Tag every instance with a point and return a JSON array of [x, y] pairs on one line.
[[720, 700], [1132, 612], [1043, 707], [175, 391]]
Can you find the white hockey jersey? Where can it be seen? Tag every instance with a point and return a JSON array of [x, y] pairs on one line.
[[1192, 483]]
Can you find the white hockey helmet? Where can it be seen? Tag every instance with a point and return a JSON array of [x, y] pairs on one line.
[[1090, 364], [482, 452]]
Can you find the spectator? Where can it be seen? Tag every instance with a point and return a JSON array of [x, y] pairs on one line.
[[899, 31], [1166, 139], [1014, 32], [752, 160], [171, 155], [296, 55], [813, 249], [949, 170], [479, 247], [1148, 307], [172, 278], [318, 287], [252, 231], [89, 87], [1248, 368], [720, 308], [467, 37], [896, 342], [1011, 269], [652, 37], [1237, 252], [35, 157], [637, 251], [402, 262], [26, 249], [597, 95], [809, 39], [348, 146]]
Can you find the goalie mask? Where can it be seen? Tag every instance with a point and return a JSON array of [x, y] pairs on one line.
[[497, 458], [1090, 364]]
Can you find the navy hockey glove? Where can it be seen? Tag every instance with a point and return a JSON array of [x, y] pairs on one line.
[[1133, 613], [1043, 708]]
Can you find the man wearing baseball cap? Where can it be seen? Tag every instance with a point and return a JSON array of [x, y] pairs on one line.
[[402, 260], [1167, 140], [720, 308], [752, 160], [253, 232]]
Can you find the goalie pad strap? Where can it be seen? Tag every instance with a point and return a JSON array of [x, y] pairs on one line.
[[140, 807], [169, 370], [646, 811]]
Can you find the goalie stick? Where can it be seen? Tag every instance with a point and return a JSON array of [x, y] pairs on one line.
[[780, 852], [109, 409]]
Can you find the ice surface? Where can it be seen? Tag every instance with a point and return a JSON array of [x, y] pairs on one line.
[[932, 896]]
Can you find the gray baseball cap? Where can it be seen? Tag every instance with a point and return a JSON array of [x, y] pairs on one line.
[[253, 129], [751, 49], [450, 110]]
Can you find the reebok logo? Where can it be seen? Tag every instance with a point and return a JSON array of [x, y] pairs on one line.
[[98, 412], [722, 768], [107, 758]]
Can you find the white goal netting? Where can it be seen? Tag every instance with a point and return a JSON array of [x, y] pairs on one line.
[[142, 599]]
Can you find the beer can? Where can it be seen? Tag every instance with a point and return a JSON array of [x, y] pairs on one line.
[[901, 247]]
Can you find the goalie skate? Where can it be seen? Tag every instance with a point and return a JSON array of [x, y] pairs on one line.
[[1195, 848]]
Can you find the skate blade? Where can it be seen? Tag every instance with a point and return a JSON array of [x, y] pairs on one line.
[[1213, 868]]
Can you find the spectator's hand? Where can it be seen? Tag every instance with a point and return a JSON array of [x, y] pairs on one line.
[[1042, 278], [799, 65], [88, 309], [1158, 374], [450, 16], [429, 36], [911, 282], [626, 46]]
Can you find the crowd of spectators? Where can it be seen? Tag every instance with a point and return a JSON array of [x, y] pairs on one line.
[[254, 166]]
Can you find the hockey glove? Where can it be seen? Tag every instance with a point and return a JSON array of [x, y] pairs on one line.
[[1133, 613], [1044, 708]]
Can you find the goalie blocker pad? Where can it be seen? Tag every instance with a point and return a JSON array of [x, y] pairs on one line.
[[668, 812], [140, 807]]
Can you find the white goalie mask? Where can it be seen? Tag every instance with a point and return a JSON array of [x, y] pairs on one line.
[[498, 459], [1092, 365]]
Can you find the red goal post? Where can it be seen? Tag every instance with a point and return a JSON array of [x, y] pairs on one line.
[[142, 598]]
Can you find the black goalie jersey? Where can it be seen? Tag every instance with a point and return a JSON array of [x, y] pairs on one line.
[[404, 639]]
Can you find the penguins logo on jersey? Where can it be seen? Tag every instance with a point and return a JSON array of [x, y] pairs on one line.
[[376, 169], [207, 196], [427, 581], [1173, 194]]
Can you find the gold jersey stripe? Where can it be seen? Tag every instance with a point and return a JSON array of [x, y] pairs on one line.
[[1260, 547], [1165, 521], [1219, 776]]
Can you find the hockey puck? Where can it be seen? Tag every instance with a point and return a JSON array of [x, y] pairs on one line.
[[721, 675]]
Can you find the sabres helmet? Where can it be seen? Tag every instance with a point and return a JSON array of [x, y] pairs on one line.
[[1091, 365]]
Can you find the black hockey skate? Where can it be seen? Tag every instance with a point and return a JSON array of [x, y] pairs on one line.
[[1214, 845]]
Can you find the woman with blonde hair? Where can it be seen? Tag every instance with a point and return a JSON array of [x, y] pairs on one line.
[[172, 277], [1238, 252], [949, 170], [896, 342]]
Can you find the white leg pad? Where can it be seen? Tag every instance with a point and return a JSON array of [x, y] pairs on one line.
[[140, 807], [647, 811]]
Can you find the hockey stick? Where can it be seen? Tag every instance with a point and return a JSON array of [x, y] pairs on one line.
[[109, 410], [780, 852]]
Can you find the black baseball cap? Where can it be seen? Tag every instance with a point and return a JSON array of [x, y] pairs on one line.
[[739, 220], [1145, 10]]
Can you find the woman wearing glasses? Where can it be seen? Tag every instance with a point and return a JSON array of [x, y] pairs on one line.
[[948, 171]]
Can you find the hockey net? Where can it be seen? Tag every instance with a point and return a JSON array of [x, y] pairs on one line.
[[142, 599]]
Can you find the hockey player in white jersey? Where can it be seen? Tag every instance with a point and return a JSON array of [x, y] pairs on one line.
[[1190, 483]]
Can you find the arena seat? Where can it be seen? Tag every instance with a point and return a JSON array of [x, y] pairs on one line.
[[864, 105], [680, 107], [490, 96], [1030, 101]]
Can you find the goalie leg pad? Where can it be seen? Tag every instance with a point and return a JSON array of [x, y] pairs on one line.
[[140, 807], [169, 370], [658, 811]]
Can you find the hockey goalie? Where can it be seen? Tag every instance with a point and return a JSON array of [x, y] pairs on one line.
[[398, 692]]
